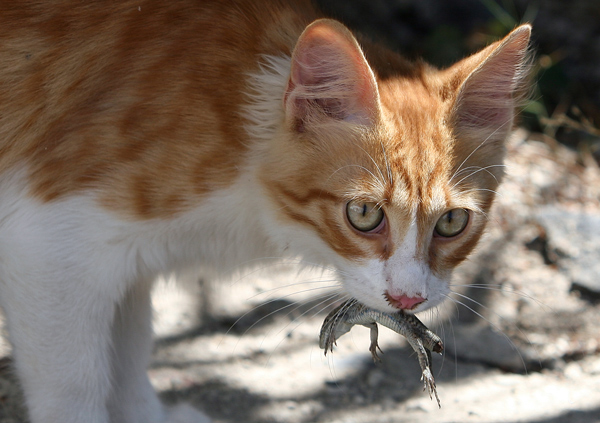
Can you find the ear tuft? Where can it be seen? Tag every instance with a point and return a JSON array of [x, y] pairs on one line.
[[329, 78]]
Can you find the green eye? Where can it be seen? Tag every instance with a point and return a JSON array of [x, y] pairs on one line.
[[364, 215], [452, 223]]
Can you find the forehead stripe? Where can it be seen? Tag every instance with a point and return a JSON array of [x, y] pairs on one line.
[[310, 196]]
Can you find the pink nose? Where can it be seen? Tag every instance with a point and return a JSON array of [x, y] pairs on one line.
[[403, 302]]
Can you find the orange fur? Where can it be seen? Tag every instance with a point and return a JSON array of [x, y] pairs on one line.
[[130, 98], [144, 103]]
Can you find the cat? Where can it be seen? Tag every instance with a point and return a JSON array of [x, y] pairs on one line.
[[143, 137]]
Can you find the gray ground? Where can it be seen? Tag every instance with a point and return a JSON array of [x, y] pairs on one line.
[[528, 352]]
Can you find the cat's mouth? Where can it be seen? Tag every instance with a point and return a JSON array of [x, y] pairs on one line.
[[403, 301]]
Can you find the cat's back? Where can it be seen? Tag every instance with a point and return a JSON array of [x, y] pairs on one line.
[[126, 94]]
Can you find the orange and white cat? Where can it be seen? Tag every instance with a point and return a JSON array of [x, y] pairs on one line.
[[141, 137]]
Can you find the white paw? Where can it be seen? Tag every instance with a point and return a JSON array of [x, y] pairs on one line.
[[183, 413]]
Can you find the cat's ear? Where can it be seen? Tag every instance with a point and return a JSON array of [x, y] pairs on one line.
[[329, 78], [493, 82]]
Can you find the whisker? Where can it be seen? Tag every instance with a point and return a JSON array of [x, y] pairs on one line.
[[454, 338], [328, 300], [330, 360], [307, 282], [480, 169], [277, 260], [331, 297], [282, 261], [382, 181], [483, 189], [468, 168], [498, 315], [353, 165], [504, 290], [513, 346], [481, 145], [439, 323], [267, 315], [387, 163]]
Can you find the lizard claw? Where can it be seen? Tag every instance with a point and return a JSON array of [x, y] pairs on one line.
[[430, 386], [373, 349], [374, 345], [329, 345]]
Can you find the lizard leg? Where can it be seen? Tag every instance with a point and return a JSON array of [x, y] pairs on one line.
[[374, 345], [424, 356]]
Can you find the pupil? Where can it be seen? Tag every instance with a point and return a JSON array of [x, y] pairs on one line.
[[364, 210]]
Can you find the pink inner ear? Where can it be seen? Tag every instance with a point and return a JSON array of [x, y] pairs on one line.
[[488, 98], [330, 76], [485, 108]]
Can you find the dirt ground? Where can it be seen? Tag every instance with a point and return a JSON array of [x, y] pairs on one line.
[[522, 344]]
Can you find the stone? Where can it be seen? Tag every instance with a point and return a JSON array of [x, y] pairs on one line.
[[480, 343], [576, 238]]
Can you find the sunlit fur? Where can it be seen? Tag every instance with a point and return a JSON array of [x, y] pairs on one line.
[[139, 138]]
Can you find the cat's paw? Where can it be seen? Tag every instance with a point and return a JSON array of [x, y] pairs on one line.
[[183, 413]]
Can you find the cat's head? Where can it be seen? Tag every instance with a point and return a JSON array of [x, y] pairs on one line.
[[387, 170]]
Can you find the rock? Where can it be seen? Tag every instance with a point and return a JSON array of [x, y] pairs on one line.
[[576, 238], [479, 343]]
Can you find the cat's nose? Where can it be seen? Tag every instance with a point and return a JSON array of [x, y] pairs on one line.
[[403, 302]]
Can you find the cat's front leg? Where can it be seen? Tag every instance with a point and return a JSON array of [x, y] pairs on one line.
[[133, 398]]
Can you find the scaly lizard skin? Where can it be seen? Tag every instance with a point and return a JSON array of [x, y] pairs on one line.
[[421, 339]]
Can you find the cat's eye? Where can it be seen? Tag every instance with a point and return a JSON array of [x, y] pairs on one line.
[[365, 216], [452, 223]]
